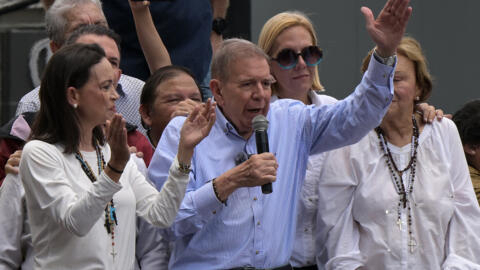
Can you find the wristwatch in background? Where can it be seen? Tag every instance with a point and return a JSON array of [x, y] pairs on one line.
[[219, 25]]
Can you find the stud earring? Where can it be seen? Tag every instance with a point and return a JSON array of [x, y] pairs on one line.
[[417, 98], [74, 105]]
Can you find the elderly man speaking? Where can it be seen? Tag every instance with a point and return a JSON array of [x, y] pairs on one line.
[[225, 222]]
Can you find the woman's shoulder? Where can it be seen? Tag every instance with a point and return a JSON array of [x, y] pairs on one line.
[[38, 145], [444, 126]]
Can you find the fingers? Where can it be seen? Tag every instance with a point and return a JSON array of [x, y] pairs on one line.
[[194, 114], [184, 108], [132, 149], [439, 114], [367, 13], [266, 163], [11, 169]]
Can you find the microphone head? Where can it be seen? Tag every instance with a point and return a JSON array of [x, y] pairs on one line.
[[259, 122]]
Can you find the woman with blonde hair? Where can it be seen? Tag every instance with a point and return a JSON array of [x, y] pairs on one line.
[[401, 198], [290, 40], [282, 37]]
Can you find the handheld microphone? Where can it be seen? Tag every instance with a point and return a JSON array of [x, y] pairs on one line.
[[260, 126]]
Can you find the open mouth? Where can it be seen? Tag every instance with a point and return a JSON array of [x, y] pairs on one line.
[[254, 110]]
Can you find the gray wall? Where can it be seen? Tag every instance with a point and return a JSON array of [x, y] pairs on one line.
[[447, 30]]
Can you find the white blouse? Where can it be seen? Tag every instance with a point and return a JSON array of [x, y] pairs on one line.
[[358, 206], [66, 211]]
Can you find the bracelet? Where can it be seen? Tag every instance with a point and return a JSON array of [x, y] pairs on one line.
[[113, 169], [184, 168], [216, 192]]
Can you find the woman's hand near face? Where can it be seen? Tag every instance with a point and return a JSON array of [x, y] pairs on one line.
[[184, 108], [196, 127], [116, 135]]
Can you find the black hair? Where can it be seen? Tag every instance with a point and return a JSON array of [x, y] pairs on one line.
[[57, 121], [467, 120]]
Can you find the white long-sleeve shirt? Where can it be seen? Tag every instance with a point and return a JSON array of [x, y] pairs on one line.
[[16, 251], [357, 217], [66, 211]]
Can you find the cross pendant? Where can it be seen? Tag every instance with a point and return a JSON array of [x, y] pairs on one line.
[[399, 223], [113, 253], [412, 244]]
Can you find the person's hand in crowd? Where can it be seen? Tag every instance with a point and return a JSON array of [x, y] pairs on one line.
[[196, 127], [155, 52], [389, 27], [139, 5], [116, 135], [184, 108], [134, 150], [13, 162], [428, 112]]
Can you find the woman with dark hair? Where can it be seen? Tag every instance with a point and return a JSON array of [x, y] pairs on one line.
[[401, 198], [169, 92], [82, 191]]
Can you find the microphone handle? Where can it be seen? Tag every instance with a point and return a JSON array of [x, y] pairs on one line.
[[261, 138]]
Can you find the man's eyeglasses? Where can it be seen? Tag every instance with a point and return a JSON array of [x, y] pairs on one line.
[[288, 58]]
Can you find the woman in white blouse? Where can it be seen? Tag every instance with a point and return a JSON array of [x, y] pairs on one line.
[[401, 198], [82, 193]]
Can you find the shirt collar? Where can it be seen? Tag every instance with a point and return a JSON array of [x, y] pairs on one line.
[[224, 124]]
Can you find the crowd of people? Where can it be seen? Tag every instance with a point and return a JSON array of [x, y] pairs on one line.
[[159, 169]]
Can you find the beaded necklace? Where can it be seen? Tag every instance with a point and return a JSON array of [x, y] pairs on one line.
[[110, 214], [403, 191]]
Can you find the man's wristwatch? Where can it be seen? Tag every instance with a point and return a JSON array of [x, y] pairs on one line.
[[389, 61], [219, 25]]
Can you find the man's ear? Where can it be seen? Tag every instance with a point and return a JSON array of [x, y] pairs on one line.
[[469, 149], [54, 46], [73, 96], [145, 115], [215, 86], [118, 73]]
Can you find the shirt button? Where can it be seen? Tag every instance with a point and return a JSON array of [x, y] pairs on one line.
[[386, 212], [384, 75], [254, 198], [305, 230], [214, 212], [258, 223], [257, 252], [310, 199]]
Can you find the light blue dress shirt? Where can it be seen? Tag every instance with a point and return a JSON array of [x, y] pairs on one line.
[[255, 229]]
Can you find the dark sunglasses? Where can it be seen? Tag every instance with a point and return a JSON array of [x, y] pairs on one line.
[[288, 58]]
